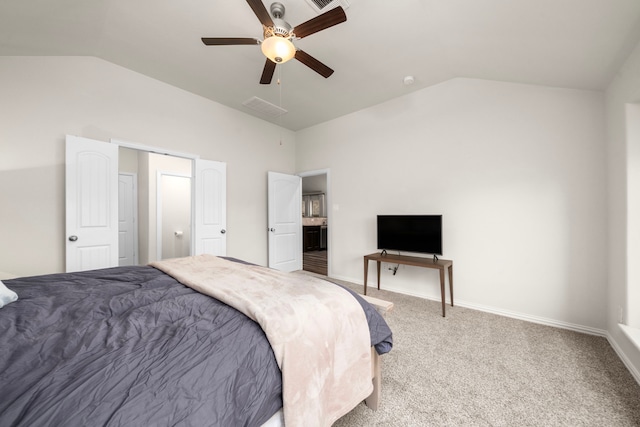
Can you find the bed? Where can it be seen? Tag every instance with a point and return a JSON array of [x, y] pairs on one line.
[[135, 346]]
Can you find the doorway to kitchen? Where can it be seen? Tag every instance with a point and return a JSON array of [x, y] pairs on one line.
[[315, 222]]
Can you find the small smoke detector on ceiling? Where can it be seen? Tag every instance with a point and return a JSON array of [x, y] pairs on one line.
[[325, 5], [264, 107]]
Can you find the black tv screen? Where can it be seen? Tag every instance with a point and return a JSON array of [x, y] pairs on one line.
[[410, 233]]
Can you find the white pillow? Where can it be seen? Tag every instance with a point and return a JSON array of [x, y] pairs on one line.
[[6, 295]]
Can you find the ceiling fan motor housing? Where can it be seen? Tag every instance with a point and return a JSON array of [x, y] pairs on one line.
[[280, 27]]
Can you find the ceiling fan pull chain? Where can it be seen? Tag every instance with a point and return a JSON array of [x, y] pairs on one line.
[[280, 101]]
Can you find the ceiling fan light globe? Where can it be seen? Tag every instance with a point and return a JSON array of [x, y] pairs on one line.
[[278, 49]]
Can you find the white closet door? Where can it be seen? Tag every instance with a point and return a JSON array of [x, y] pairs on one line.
[[91, 204], [210, 216]]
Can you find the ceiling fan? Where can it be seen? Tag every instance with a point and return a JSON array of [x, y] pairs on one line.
[[277, 45]]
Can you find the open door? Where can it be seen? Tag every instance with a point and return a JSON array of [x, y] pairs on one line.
[[210, 216], [91, 173], [285, 221]]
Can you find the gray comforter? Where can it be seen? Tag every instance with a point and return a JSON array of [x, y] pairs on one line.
[[110, 347]]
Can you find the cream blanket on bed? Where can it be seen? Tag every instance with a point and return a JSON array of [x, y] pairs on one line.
[[317, 330]]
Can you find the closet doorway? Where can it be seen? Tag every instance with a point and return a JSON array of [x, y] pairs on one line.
[[163, 184], [92, 171]]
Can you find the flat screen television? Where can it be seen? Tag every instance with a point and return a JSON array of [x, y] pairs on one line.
[[410, 233]]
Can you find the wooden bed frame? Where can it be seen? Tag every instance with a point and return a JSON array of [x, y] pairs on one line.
[[373, 401]]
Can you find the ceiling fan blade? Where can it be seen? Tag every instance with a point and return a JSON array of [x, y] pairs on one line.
[[261, 12], [320, 22], [226, 41], [267, 72], [313, 63]]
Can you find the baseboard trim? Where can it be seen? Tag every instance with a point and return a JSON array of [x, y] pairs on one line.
[[501, 312], [529, 318], [621, 354], [535, 319]]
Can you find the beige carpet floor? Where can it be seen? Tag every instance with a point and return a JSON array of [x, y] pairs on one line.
[[478, 369]]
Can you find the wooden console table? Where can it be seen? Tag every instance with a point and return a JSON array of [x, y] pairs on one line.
[[441, 264]]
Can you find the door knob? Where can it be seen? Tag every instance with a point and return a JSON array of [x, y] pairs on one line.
[[73, 238], [272, 230], [223, 231]]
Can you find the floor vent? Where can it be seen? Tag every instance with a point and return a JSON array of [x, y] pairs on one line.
[[325, 5], [264, 107]]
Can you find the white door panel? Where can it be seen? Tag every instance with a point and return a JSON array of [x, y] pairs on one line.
[[127, 219], [210, 216], [91, 173], [285, 221]]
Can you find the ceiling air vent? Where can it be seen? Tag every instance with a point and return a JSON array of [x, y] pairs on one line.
[[264, 107], [325, 5]]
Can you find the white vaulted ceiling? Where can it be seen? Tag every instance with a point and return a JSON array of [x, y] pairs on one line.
[[565, 43]]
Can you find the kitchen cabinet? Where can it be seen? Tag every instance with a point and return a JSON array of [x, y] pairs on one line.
[[311, 238]]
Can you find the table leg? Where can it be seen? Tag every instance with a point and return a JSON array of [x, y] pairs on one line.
[[379, 274], [442, 291], [451, 283], [366, 270]]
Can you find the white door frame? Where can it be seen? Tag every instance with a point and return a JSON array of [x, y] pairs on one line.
[[329, 208], [163, 151], [196, 163], [150, 149]]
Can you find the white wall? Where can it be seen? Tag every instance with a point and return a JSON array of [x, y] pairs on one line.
[[624, 89], [518, 173], [44, 98]]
